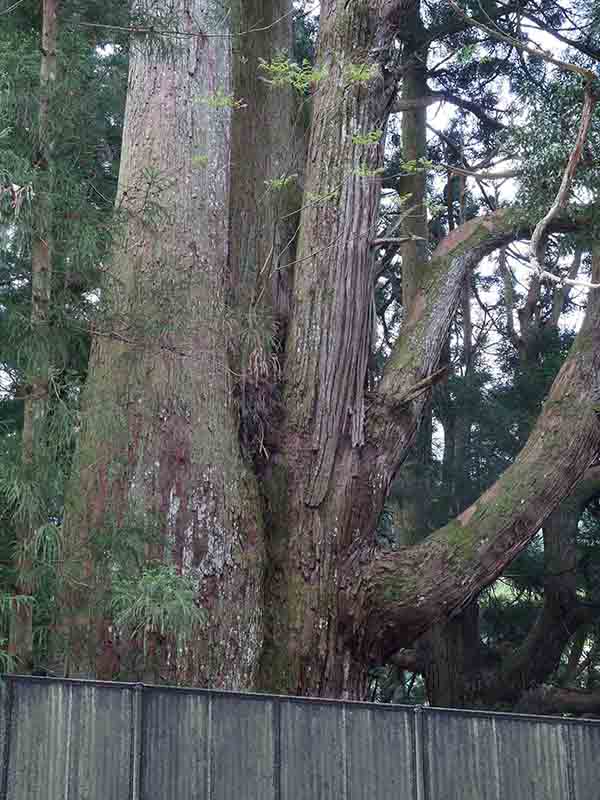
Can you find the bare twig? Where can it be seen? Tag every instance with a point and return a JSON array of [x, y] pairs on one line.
[[525, 47], [561, 200], [483, 176], [177, 32], [12, 8], [562, 197]]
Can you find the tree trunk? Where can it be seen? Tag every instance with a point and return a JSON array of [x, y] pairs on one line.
[[411, 484], [158, 453], [21, 623], [267, 162], [450, 657], [414, 149], [326, 356]]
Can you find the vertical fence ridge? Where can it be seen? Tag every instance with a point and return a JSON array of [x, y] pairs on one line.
[[7, 725], [568, 741], [277, 749], [209, 747], [137, 739], [419, 751]]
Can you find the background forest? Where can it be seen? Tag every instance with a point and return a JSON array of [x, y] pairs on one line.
[[182, 448]]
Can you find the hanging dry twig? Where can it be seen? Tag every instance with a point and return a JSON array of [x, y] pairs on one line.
[[561, 200]]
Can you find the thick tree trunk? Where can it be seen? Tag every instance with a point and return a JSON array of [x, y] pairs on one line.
[[158, 454], [310, 477], [159, 450], [21, 623]]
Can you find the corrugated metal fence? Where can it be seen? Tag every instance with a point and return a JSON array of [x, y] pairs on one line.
[[84, 740]]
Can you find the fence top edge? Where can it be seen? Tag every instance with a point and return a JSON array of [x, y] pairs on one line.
[[477, 712], [149, 687], [295, 700]]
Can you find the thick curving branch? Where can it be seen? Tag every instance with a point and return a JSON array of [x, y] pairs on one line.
[[395, 410], [390, 598]]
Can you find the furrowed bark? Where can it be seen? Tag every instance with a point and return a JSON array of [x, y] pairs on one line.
[[267, 161], [399, 594], [158, 454], [20, 644], [327, 347]]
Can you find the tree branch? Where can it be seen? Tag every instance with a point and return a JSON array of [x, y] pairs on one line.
[[562, 198], [554, 700], [592, 52], [524, 47], [458, 25], [436, 97], [390, 598], [562, 614], [483, 176]]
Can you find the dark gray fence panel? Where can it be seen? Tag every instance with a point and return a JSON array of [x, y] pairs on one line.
[[471, 756], [69, 740], [534, 759], [243, 747], [313, 751], [461, 757], [175, 745], [380, 752], [5, 690], [585, 760]]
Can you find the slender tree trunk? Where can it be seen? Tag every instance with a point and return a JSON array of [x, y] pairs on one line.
[[267, 163], [412, 484], [21, 627], [159, 451], [462, 488], [414, 149]]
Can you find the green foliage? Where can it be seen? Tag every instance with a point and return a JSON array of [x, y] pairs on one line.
[[368, 172], [360, 73], [466, 53], [73, 197], [278, 184], [220, 100], [367, 139], [281, 72], [158, 601]]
